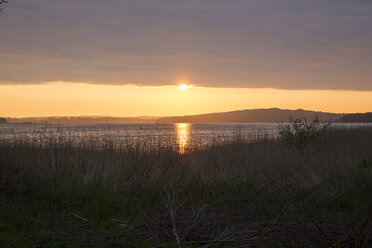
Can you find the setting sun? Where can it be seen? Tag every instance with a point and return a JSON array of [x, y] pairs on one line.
[[184, 87]]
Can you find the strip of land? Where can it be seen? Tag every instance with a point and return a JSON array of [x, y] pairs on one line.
[[273, 115]]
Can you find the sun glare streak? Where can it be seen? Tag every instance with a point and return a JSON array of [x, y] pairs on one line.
[[184, 87], [183, 136]]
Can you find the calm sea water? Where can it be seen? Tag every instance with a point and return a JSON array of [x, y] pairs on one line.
[[182, 136]]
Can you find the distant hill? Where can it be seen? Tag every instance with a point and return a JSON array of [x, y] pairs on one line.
[[3, 121], [251, 116], [366, 117], [272, 115]]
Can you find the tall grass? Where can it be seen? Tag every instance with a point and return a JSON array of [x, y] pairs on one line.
[[240, 194]]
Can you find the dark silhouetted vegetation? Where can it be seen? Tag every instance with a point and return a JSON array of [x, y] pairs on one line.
[[257, 193], [2, 3], [304, 135], [3, 121]]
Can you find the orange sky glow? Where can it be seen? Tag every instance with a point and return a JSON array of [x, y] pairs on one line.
[[81, 99]]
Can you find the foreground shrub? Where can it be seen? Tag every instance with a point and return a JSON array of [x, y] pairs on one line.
[[304, 135]]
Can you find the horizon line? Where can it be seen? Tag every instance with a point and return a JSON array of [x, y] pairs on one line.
[[149, 117]]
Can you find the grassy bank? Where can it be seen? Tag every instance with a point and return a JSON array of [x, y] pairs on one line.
[[262, 193]]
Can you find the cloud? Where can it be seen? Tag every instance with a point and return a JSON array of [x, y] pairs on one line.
[[318, 44]]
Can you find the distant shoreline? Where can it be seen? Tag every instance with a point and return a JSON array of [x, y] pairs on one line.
[[272, 115]]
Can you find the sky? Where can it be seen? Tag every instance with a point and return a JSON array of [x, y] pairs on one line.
[[125, 57]]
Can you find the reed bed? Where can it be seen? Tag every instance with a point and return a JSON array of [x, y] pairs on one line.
[[244, 193]]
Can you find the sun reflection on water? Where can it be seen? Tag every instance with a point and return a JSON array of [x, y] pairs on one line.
[[183, 136]]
